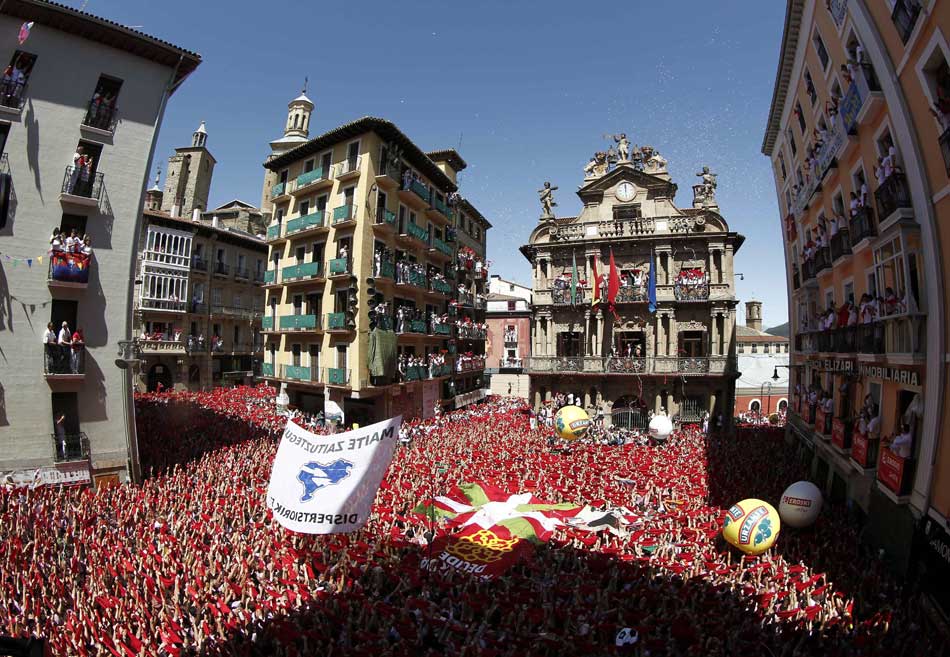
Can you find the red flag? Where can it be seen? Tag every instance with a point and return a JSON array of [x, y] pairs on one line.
[[613, 282]]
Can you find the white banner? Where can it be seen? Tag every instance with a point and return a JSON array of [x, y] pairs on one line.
[[327, 484], [46, 476]]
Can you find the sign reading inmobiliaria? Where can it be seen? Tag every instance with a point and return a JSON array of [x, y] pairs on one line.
[[327, 484], [497, 528]]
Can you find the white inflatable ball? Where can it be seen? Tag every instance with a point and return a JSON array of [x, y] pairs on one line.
[[661, 427], [800, 504]]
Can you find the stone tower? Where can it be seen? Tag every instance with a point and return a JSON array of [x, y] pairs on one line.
[[753, 315], [296, 132], [154, 194], [188, 180]]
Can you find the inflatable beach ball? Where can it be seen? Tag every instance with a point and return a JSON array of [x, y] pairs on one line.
[[800, 505], [661, 427], [571, 422], [752, 526]]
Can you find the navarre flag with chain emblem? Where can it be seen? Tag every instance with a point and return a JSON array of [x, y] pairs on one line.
[[497, 528]]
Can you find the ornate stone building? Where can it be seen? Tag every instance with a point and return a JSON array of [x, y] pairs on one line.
[[634, 356]]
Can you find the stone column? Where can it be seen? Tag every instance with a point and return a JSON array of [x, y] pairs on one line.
[[672, 338], [589, 335], [714, 335], [551, 338], [599, 351]]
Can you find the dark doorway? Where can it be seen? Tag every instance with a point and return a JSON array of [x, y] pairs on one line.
[[159, 373]]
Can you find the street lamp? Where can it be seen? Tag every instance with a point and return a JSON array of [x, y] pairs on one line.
[[129, 360], [766, 386]]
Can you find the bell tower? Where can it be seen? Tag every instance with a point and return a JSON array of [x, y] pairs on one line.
[[188, 177], [753, 315]]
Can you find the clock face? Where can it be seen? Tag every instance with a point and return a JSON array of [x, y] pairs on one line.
[[625, 192]]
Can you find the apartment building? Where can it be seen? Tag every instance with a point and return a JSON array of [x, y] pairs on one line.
[[858, 139], [79, 116]]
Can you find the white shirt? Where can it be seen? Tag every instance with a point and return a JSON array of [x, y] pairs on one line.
[[901, 445], [64, 336], [49, 337], [874, 427]]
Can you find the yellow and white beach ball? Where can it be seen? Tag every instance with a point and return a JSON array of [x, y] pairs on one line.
[[752, 526], [571, 422]]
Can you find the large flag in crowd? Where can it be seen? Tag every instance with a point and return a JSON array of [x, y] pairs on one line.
[[327, 484], [497, 527]]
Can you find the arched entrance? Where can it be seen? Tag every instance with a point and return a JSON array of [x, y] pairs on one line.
[[159, 373], [630, 412]]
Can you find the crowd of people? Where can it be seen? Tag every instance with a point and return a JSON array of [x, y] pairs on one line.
[[191, 562], [467, 259], [412, 367], [690, 284], [410, 273]]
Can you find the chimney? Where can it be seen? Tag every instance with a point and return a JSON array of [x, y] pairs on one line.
[[176, 208], [196, 215], [214, 221], [753, 315]]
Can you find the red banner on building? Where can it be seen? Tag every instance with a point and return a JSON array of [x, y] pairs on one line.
[[838, 434], [820, 421], [859, 450], [890, 470]]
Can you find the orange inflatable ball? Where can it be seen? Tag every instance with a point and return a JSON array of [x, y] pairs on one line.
[[571, 422], [752, 526]]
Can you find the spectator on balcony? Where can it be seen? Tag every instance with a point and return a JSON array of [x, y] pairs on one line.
[[14, 77], [866, 311], [903, 443], [49, 347], [891, 302], [59, 426], [86, 247], [344, 254], [831, 106], [856, 204], [874, 423], [70, 241], [56, 241], [847, 73], [77, 344], [80, 173], [64, 341]]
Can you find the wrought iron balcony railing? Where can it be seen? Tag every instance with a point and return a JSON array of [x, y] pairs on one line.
[[70, 447], [661, 365], [863, 225], [80, 181], [892, 195], [840, 244]]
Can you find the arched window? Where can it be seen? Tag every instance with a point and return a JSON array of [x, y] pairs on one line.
[[783, 405], [755, 406]]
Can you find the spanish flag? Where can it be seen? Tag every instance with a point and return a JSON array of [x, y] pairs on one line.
[[595, 294]]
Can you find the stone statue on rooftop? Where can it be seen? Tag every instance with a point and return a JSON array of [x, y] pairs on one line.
[[709, 182], [623, 147], [546, 196]]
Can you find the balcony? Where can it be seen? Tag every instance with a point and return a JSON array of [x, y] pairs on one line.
[[343, 214], [631, 294], [81, 187], [905, 336], [417, 326], [470, 365], [62, 363], [337, 322], [168, 305], [221, 269], [300, 373], [510, 363], [808, 271], [841, 433], [303, 272], [267, 369], [101, 116], [306, 223], [944, 141], [417, 232], [870, 338], [796, 281], [470, 332], [199, 264], [894, 473], [385, 218], [687, 292], [259, 276], [822, 260], [310, 180], [299, 323], [267, 324], [864, 451], [278, 190], [70, 447], [844, 340], [416, 373], [441, 286], [441, 208], [270, 277], [442, 247], [242, 274], [386, 269], [861, 99], [339, 267], [338, 376], [838, 10], [164, 345], [68, 269], [442, 329], [13, 95], [413, 278], [863, 228], [562, 296], [840, 245], [905, 16], [349, 168], [420, 190], [273, 233], [511, 337], [655, 365], [893, 196]]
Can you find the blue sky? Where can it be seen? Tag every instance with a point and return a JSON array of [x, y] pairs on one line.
[[528, 88]]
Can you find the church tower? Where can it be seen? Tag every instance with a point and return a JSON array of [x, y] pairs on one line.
[[753, 315], [188, 178], [296, 132]]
